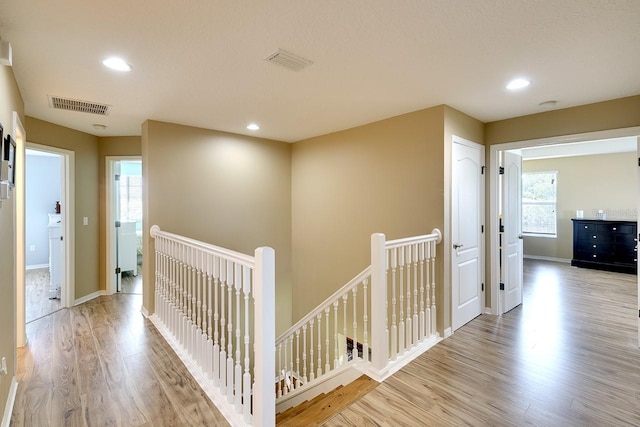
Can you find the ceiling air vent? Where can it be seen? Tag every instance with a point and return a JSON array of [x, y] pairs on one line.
[[79, 105], [289, 60]]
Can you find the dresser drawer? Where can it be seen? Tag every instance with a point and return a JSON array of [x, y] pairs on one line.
[[593, 235]]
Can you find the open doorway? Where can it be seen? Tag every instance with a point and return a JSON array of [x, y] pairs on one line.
[[124, 224], [580, 198], [44, 233], [58, 231]]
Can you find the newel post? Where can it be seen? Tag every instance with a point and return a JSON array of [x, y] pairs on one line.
[[264, 398], [379, 344]]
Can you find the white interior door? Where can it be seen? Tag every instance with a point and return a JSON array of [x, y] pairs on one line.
[[467, 222], [512, 236]]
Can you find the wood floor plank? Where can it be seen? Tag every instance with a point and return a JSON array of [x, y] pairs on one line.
[[89, 366], [567, 357]]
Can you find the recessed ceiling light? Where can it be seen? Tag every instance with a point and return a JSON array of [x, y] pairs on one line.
[[253, 126], [518, 83], [117, 64]]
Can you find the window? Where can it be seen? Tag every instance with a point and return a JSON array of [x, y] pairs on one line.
[[539, 193]]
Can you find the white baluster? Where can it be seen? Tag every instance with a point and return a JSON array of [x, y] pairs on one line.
[[433, 288], [319, 316], [409, 322], [238, 356], [216, 321], [304, 354], [280, 370], [394, 328], [354, 351], [223, 323], [246, 377], [345, 297], [401, 323], [428, 290], [297, 384], [336, 359], [416, 327], [231, 279], [312, 373], [422, 320], [365, 318], [327, 365]]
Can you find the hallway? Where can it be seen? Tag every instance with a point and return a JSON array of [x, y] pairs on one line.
[[567, 357]]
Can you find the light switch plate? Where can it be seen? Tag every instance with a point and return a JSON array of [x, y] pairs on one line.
[[85, 220]]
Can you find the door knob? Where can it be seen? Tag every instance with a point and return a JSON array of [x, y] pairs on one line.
[[520, 236], [457, 245]]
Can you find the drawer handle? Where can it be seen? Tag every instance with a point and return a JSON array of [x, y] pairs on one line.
[[594, 256], [595, 246], [614, 229], [586, 226], [595, 237]]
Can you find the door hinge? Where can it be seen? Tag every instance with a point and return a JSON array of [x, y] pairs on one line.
[[483, 287], [501, 170], [117, 177], [502, 228], [118, 270], [502, 286], [482, 170], [117, 224], [482, 228]]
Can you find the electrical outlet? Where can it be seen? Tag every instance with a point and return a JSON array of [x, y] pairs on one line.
[[32, 248], [85, 220], [3, 368]]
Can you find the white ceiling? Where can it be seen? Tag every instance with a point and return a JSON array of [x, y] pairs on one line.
[[201, 62], [587, 148]]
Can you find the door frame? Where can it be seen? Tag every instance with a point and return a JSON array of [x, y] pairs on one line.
[[67, 199], [109, 232], [497, 300], [447, 241]]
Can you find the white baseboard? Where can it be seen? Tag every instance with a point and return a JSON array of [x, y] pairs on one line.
[[547, 258], [487, 310], [36, 266], [8, 408], [89, 297], [145, 312], [448, 332]]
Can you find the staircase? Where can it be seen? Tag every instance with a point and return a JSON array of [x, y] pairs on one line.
[[324, 406], [209, 301]]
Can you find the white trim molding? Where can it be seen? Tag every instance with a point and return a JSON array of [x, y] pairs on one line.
[[89, 297], [8, 409], [547, 258]]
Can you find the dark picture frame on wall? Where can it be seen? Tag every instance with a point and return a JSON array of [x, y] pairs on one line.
[[9, 160]]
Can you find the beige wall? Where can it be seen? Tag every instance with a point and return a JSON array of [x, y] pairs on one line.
[[110, 146], [587, 183], [85, 148], [10, 101], [607, 115], [230, 190], [386, 177]]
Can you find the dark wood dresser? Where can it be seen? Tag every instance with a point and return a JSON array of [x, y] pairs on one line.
[[605, 245]]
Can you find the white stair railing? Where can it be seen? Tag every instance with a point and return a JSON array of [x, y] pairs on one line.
[[208, 302], [216, 308], [383, 316]]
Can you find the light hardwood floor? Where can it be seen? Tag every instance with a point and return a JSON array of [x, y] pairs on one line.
[[568, 356], [102, 363], [37, 302]]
